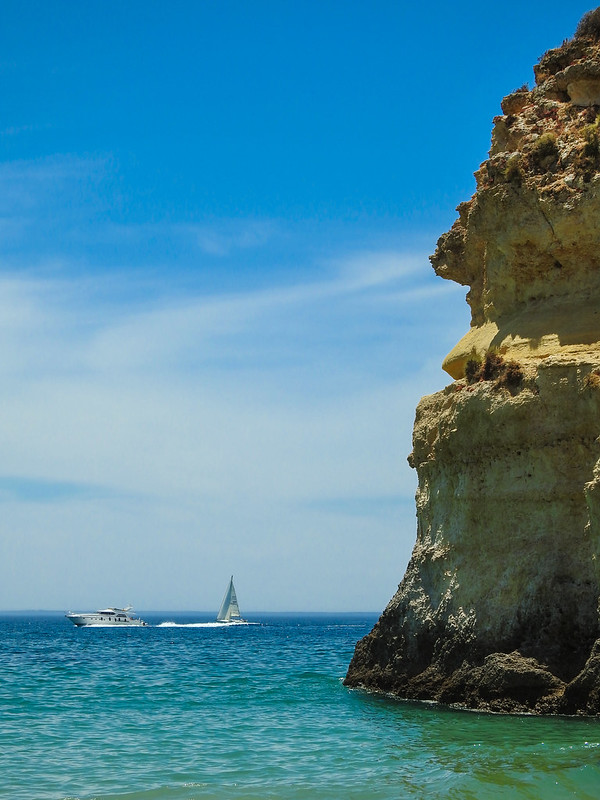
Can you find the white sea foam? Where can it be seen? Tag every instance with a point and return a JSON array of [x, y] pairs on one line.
[[202, 624]]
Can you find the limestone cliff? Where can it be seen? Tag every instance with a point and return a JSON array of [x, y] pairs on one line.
[[528, 241], [498, 608]]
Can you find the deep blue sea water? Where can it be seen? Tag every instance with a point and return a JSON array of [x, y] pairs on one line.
[[184, 712]]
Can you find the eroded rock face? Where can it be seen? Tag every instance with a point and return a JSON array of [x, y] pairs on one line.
[[498, 608], [528, 242], [508, 547]]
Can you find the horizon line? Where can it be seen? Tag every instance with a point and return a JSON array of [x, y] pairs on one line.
[[186, 611]]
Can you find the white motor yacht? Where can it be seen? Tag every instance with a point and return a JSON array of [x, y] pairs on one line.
[[117, 617]]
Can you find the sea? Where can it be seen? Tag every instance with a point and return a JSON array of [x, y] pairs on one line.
[[187, 709]]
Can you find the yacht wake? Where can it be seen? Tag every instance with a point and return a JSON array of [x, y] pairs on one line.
[[201, 624]]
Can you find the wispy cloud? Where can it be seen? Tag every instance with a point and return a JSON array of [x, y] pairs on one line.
[[18, 130], [209, 396], [80, 322], [361, 505], [43, 490], [146, 407], [29, 182], [222, 237]]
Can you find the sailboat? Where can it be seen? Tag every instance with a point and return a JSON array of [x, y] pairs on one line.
[[230, 611]]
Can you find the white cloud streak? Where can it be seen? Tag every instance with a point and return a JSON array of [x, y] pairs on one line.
[[209, 417]]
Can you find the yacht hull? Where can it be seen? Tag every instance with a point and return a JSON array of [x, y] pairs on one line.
[[110, 617]]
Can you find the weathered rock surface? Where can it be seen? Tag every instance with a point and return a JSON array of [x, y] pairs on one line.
[[507, 556], [498, 608], [528, 242]]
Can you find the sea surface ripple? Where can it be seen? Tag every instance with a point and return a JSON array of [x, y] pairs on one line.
[[189, 710]]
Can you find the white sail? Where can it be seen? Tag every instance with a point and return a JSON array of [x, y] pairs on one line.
[[229, 611]]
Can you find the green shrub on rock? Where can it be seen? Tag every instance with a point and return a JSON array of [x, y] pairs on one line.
[[589, 26]]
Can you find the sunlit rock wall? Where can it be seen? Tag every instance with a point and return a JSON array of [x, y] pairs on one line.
[[498, 608]]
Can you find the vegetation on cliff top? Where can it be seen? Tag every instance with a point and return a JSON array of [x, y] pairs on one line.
[[589, 26], [544, 138]]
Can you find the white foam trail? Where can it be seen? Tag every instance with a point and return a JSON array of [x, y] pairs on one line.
[[202, 624]]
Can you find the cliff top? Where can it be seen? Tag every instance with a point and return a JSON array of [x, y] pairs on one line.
[[528, 242]]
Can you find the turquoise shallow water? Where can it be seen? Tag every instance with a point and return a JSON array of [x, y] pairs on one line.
[[258, 711]]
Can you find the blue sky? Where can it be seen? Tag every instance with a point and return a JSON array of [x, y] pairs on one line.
[[216, 309]]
